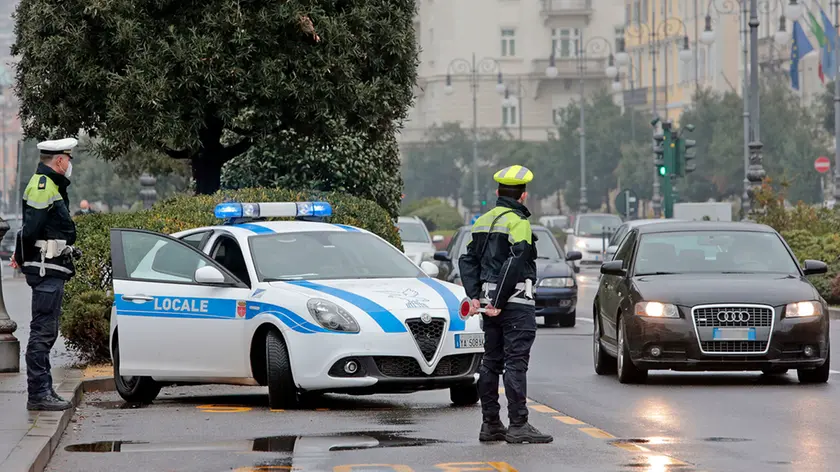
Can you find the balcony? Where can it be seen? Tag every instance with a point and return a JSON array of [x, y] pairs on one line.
[[579, 11], [567, 68]]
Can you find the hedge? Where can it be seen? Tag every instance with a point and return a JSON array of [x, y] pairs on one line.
[[88, 300]]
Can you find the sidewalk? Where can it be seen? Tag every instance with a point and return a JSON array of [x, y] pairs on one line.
[[28, 439]]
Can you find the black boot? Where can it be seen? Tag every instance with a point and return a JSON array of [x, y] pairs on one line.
[[492, 430], [48, 403], [525, 433]]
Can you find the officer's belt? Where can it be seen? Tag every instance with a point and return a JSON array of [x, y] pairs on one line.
[[50, 249], [523, 295]]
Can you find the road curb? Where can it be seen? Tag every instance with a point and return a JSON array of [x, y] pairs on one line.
[[834, 313], [34, 451]]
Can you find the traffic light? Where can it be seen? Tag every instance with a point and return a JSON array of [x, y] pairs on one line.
[[659, 153], [686, 153]]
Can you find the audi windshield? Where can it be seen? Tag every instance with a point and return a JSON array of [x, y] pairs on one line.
[[726, 252], [314, 255]]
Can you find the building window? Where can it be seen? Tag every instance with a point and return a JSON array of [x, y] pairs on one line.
[[509, 115], [565, 42], [508, 42]]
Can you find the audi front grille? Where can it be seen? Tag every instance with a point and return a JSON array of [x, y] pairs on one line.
[[707, 318]]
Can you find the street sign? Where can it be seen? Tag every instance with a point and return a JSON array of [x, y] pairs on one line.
[[822, 164], [626, 203]]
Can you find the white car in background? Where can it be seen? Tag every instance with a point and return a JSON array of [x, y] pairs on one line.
[[297, 306], [417, 243], [590, 235]]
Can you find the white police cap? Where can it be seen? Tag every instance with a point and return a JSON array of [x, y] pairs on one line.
[[58, 146]]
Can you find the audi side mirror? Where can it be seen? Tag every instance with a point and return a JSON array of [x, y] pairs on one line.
[[613, 268], [574, 256], [812, 267]]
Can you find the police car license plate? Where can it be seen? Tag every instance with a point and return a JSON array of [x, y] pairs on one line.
[[733, 334], [469, 341]]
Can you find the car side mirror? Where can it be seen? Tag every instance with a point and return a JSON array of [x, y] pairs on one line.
[[442, 256], [438, 238], [209, 275], [574, 256], [430, 269], [812, 267], [613, 268]]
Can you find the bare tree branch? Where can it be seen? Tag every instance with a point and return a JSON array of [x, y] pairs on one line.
[[234, 150], [175, 154]]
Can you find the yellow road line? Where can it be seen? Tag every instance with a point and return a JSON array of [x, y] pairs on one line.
[[568, 420], [543, 408], [630, 447], [597, 433]]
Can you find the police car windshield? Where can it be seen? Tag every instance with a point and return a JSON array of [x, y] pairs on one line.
[[314, 255], [713, 252], [413, 232]]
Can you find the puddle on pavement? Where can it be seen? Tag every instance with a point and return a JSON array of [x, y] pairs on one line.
[[116, 405], [726, 439], [297, 445]]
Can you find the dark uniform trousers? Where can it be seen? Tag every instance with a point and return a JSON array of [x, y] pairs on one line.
[[47, 293], [508, 338]]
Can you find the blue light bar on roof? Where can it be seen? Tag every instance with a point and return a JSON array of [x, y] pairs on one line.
[[230, 210]]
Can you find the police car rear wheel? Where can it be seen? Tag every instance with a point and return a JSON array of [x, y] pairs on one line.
[[464, 396], [282, 393], [133, 389]]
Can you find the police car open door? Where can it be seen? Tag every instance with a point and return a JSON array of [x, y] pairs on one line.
[[177, 311]]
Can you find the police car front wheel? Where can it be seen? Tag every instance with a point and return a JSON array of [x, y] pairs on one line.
[[282, 393], [131, 388]]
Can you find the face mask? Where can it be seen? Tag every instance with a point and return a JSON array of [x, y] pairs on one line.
[[69, 170]]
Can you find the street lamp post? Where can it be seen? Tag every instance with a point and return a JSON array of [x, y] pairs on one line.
[[474, 70], [597, 45], [753, 169], [656, 33]]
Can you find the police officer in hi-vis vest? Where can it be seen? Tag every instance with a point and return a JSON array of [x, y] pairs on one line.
[[498, 272], [45, 254]]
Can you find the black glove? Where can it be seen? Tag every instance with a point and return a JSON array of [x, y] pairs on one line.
[[75, 253]]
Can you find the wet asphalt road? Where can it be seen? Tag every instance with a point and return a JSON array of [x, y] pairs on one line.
[[677, 422]]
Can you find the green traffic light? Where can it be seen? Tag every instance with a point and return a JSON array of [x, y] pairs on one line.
[[484, 202], [662, 171]]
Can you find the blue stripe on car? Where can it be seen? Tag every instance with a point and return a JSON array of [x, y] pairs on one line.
[[452, 303], [347, 228], [386, 320], [215, 309], [255, 228]]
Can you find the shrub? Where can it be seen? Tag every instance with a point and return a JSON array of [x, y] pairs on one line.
[[414, 205], [87, 306], [439, 217]]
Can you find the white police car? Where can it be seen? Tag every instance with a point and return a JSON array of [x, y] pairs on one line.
[[298, 306]]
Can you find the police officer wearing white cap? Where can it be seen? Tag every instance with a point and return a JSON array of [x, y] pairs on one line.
[[45, 254]]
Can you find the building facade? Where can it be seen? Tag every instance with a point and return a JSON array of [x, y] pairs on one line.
[[515, 38]]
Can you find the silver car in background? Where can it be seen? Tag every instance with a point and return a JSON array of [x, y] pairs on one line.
[[416, 240]]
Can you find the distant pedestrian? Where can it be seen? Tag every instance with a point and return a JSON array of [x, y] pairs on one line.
[[84, 209], [498, 272], [45, 254]]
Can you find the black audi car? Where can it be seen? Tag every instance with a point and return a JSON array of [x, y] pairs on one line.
[[556, 288], [709, 296]]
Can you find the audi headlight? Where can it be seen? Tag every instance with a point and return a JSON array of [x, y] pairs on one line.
[[657, 310], [331, 316], [803, 309], [556, 282]]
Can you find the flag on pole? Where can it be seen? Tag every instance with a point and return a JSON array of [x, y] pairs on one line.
[[829, 58], [818, 33], [800, 47]]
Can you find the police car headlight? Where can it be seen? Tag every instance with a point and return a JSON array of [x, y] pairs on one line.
[[331, 316], [803, 309], [556, 282]]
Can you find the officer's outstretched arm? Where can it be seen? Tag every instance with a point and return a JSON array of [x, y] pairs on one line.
[[470, 266], [35, 219], [513, 267]]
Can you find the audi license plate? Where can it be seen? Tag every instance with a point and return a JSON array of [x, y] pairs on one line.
[[469, 341], [733, 334]]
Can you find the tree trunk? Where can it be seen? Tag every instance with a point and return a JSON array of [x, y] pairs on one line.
[[207, 173]]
